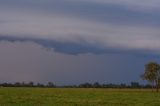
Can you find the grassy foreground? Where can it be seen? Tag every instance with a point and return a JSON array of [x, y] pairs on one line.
[[77, 97]]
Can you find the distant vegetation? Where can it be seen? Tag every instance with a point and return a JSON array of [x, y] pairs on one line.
[[84, 85]]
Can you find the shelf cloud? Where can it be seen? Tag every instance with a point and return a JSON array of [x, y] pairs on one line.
[[82, 24]]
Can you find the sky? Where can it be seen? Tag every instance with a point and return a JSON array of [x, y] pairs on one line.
[[77, 41]]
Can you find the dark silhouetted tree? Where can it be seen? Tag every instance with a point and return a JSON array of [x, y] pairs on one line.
[[152, 74]]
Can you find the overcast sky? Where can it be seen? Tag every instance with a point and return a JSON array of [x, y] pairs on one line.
[[77, 41]]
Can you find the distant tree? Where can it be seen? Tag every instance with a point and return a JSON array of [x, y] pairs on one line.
[[50, 84], [135, 85], [86, 85], [31, 84], [152, 74], [39, 85], [96, 85], [122, 85], [17, 84]]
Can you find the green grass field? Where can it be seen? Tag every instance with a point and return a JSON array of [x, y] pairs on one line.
[[77, 97]]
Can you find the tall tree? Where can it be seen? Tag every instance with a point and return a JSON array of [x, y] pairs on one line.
[[152, 74]]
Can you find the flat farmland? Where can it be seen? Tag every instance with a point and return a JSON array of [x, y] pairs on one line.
[[77, 97]]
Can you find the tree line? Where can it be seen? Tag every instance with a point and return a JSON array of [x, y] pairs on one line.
[[83, 85], [29, 84]]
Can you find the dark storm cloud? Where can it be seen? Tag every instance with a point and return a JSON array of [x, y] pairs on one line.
[[74, 48], [62, 47], [104, 26]]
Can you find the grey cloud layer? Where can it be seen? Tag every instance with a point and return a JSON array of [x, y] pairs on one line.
[[76, 27], [109, 11], [61, 47], [132, 4]]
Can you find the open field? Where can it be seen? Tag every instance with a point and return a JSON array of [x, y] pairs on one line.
[[77, 97]]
